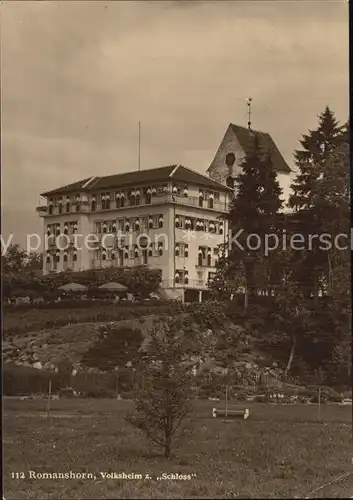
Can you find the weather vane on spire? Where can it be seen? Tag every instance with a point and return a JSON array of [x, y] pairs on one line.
[[249, 100]]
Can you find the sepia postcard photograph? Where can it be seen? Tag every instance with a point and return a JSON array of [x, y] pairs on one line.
[[175, 249]]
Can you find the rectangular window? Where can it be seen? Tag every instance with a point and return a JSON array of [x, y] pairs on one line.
[[144, 223], [121, 226], [182, 250], [155, 221]]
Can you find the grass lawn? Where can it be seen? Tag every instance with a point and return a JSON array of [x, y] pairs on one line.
[[280, 452]]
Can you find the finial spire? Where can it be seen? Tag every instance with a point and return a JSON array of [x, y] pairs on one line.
[[249, 100]]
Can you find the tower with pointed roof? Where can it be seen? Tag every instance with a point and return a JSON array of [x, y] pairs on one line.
[[235, 145]]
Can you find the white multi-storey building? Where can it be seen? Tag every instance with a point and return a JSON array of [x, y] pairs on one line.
[[170, 218]]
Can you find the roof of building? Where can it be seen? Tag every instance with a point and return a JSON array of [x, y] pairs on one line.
[[266, 143], [160, 174]]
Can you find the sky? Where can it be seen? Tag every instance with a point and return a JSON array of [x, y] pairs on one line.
[[78, 76]]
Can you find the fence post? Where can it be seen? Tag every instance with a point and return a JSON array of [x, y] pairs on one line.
[[49, 398]]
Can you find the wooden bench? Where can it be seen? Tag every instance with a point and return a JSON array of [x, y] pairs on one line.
[[231, 412]]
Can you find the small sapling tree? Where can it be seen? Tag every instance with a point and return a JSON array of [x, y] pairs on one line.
[[163, 393]]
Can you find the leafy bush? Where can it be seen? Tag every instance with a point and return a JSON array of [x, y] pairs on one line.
[[99, 392]]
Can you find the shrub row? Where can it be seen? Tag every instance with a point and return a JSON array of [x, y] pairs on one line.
[[24, 380], [78, 304], [16, 322]]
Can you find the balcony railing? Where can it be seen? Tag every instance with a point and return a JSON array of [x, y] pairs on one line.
[[205, 263], [85, 206], [190, 201], [42, 209], [190, 284]]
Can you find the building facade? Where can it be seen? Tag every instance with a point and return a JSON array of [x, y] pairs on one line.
[[170, 218]]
